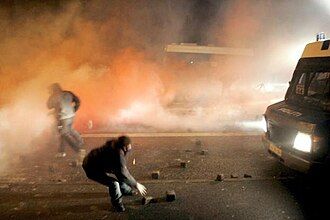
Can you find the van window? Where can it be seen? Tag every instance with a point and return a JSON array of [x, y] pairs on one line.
[[319, 85], [312, 90]]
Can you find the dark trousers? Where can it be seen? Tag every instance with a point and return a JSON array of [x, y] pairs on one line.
[[116, 188], [69, 135]]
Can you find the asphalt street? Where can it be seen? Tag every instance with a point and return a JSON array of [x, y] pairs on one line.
[[43, 187]]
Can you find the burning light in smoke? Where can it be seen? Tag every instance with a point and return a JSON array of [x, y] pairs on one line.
[[258, 125], [135, 112]]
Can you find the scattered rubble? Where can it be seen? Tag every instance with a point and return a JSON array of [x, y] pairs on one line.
[[204, 152], [220, 177], [183, 164], [148, 199], [155, 174], [234, 176], [170, 196], [61, 180], [247, 176]]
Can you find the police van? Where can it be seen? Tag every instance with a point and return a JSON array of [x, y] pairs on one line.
[[297, 129]]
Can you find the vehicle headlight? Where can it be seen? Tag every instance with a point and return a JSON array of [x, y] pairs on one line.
[[263, 123], [303, 142]]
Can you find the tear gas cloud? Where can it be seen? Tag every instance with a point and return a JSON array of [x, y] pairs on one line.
[[111, 54]]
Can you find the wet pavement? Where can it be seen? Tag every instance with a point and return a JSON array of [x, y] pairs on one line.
[[255, 186]]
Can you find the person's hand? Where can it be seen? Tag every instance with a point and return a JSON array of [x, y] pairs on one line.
[[141, 188]]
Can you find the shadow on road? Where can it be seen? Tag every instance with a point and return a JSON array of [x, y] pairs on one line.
[[311, 192]]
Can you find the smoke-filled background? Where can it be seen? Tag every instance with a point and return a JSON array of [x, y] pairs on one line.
[[111, 54]]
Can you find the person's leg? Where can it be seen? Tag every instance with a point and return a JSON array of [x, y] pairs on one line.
[[66, 133], [112, 184], [61, 148], [76, 135], [116, 196], [78, 143], [125, 189]]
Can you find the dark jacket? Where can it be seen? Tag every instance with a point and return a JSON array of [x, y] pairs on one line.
[[110, 160], [62, 103]]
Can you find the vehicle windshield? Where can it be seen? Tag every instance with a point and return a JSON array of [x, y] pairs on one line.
[[312, 89]]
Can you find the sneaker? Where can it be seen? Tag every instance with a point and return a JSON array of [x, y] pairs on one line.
[[60, 155], [119, 207], [81, 154], [75, 163]]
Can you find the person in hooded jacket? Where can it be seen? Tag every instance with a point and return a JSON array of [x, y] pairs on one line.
[[110, 159], [64, 105]]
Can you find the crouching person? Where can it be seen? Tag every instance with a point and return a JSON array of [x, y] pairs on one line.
[[109, 159]]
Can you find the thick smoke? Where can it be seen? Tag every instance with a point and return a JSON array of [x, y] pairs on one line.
[[111, 54]]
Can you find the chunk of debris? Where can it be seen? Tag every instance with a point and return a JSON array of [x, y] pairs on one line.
[[234, 176], [204, 152], [134, 161], [183, 164], [170, 195], [61, 180], [155, 174], [220, 177], [247, 176], [148, 199], [188, 150]]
